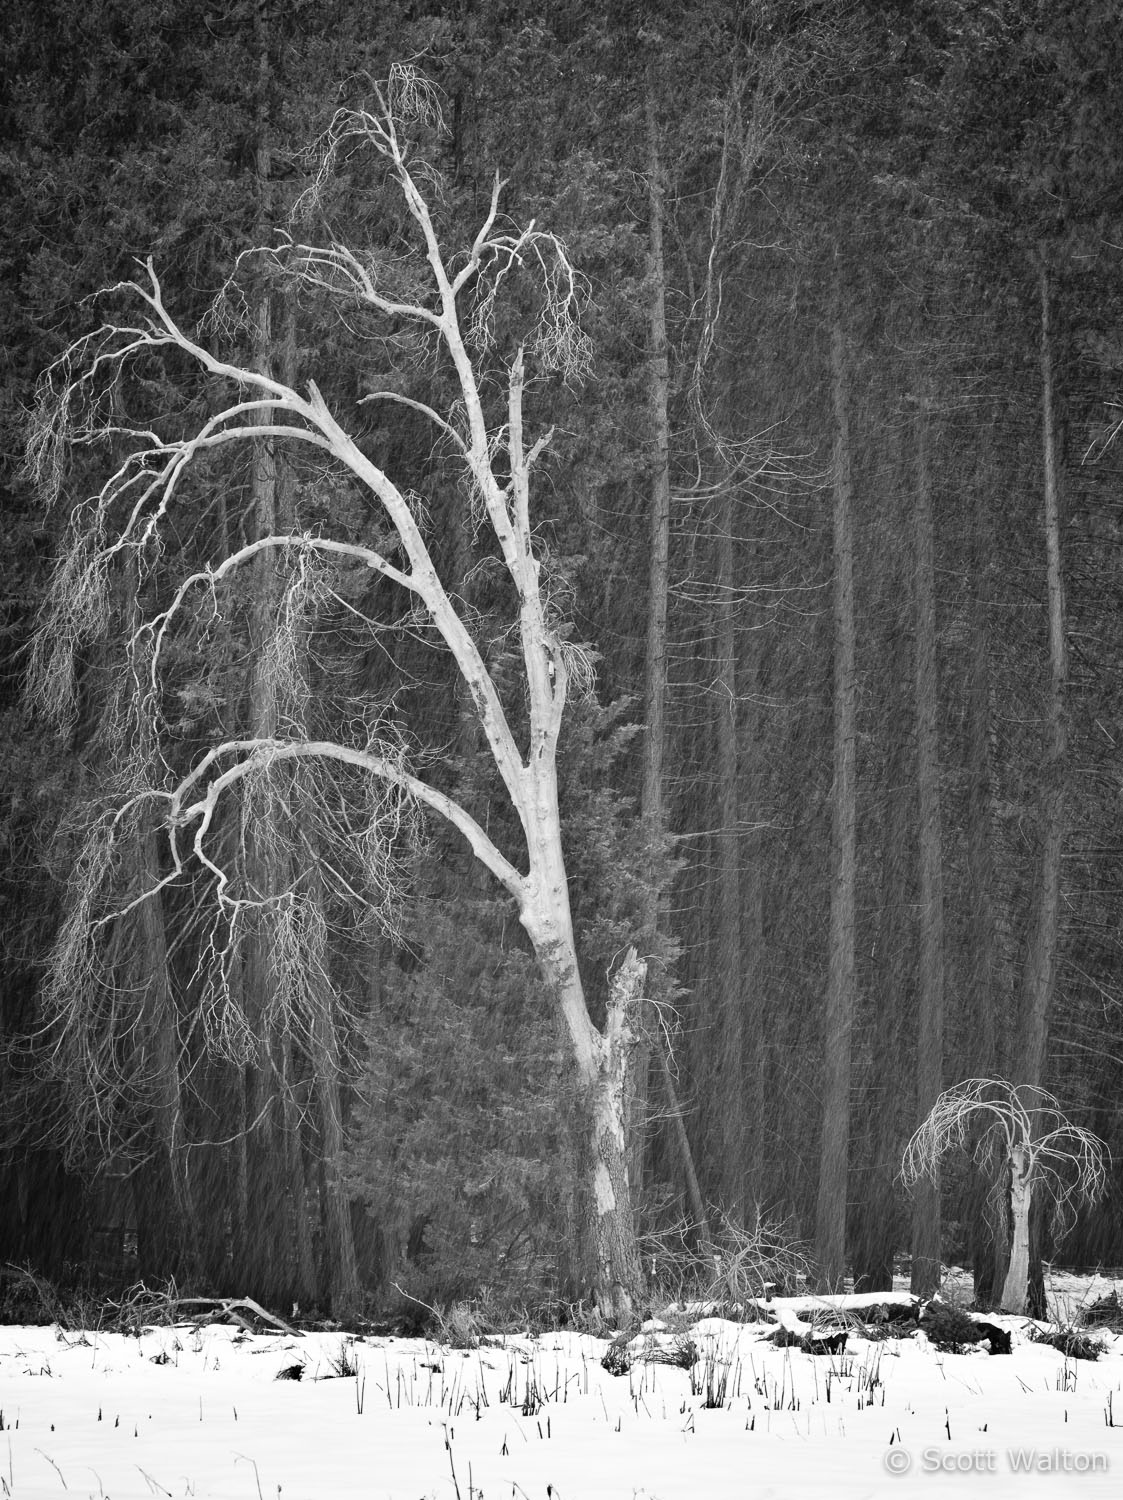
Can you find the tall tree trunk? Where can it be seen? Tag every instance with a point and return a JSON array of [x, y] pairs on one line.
[[830, 1215], [988, 1249], [754, 1020], [165, 1224], [878, 1232], [729, 1137], [276, 1233], [930, 1028], [339, 1245], [162, 1201], [304, 1262], [652, 805], [652, 810], [686, 1156], [1040, 971], [611, 1265]]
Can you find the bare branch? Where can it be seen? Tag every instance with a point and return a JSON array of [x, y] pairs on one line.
[[1067, 1159], [425, 410], [257, 753]]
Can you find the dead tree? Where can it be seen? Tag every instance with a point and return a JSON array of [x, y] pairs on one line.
[[449, 303], [1041, 1152]]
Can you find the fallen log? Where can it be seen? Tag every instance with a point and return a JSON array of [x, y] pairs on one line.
[[233, 1309]]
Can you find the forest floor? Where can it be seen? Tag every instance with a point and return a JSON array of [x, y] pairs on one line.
[[205, 1412]]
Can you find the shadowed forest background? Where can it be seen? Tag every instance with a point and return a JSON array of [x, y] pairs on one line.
[[835, 513]]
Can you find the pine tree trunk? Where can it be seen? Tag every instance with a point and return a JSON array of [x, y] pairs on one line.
[[652, 812], [682, 1143], [276, 1232], [830, 1217], [754, 1018], [988, 1248], [339, 1245], [926, 1236], [1039, 975], [304, 1260], [729, 1136], [163, 1209], [879, 1231], [165, 1222]]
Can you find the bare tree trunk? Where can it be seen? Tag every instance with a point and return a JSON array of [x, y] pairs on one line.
[[830, 1217], [526, 765], [930, 1029], [611, 1264], [1021, 1190]]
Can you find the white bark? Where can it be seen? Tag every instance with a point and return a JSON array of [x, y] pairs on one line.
[[1022, 1127], [130, 511], [1016, 1285]]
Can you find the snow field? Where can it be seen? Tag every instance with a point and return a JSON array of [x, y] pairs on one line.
[[187, 1412]]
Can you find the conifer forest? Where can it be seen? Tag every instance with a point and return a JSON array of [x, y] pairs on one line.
[[560, 693]]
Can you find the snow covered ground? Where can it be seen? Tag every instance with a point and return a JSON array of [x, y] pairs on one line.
[[200, 1412]]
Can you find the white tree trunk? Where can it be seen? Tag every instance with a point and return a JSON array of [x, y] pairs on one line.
[[1021, 1193], [267, 410]]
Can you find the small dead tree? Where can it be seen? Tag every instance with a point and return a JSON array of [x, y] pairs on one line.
[[447, 305], [1039, 1150]]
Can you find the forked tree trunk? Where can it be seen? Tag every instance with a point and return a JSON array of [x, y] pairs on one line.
[[611, 1267], [830, 1214], [926, 1236]]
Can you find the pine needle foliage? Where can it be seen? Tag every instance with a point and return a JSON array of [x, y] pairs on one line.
[[458, 1144]]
